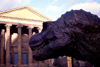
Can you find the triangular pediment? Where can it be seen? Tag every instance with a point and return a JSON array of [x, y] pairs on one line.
[[24, 12]]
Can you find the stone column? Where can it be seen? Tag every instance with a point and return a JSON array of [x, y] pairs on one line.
[[19, 46], [2, 47], [8, 42], [29, 49]]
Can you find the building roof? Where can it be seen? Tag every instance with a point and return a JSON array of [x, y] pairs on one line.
[[24, 13]]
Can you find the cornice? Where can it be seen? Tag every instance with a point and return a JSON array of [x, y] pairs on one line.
[[22, 19], [6, 22]]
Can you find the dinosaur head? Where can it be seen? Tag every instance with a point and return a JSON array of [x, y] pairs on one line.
[[76, 33], [47, 44]]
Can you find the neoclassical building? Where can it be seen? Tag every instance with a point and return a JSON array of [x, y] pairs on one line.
[[17, 26]]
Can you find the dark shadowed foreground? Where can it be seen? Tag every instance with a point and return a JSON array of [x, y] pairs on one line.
[[76, 34]]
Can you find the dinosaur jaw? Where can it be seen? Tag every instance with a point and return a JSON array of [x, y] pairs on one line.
[[39, 45], [42, 45], [46, 52]]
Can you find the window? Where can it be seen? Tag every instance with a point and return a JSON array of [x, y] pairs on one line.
[[15, 58], [10, 58], [24, 58]]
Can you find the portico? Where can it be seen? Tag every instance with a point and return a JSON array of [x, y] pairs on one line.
[[16, 26]]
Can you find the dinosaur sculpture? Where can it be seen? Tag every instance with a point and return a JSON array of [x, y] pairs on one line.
[[76, 34]]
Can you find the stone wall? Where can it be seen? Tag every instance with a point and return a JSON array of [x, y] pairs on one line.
[[25, 47]]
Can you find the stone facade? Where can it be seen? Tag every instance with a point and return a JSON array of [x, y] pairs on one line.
[[16, 27]]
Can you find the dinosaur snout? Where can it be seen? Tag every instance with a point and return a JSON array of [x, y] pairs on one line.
[[35, 40]]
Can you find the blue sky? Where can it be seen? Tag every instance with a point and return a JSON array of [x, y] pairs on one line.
[[53, 9]]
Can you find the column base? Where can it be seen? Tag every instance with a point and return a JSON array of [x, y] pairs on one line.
[[8, 65], [2, 65], [19, 65], [30, 64]]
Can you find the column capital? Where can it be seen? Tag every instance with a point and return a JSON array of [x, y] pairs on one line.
[[39, 29], [30, 30], [30, 27], [19, 26], [8, 25]]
